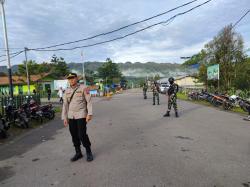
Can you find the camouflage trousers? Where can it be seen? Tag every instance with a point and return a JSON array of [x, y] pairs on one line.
[[145, 94], [172, 101], [156, 95]]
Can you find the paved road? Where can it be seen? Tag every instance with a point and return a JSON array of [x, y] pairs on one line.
[[134, 145]]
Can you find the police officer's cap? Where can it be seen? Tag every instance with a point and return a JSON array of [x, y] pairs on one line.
[[71, 75]]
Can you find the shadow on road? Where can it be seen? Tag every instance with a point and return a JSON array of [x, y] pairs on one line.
[[34, 137]]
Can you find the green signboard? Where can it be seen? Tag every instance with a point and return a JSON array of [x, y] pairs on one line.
[[213, 72]]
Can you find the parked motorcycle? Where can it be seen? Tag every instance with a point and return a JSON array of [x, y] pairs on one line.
[[229, 103], [244, 104], [32, 112], [48, 111], [15, 116], [36, 111], [193, 95]]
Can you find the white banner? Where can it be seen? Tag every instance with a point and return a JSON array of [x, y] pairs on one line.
[[60, 83]]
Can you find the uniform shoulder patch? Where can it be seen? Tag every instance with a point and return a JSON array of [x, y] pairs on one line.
[[86, 90]]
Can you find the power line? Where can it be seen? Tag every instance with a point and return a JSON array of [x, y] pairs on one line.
[[241, 18], [11, 54], [3, 49], [18, 53], [113, 31], [132, 33]]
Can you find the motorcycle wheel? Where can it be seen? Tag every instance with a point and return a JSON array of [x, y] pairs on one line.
[[40, 119], [3, 134], [24, 122], [52, 115], [3, 131], [216, 103]]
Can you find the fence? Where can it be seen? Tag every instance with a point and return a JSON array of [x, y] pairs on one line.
[[17, 101], [44, 94]]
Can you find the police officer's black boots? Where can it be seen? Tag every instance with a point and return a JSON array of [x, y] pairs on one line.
[[176, 114], [78, 154], [167, 114], [89, 154]]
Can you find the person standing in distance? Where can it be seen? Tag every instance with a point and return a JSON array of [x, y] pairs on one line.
[[155, 88], [77, 112], [172, 97], [60, 94], [49, 94], [144, 89]]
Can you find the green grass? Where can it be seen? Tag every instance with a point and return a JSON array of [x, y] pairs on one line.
[[58, 109], [239, 110], [182, 96]]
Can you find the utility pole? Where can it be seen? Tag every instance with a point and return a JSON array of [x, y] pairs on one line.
[[27, 69], [83, 70], [7, 48]]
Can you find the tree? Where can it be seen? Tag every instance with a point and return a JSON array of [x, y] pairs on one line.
[[196, 59], [33, 68], [59, 67], [242, 80], [226, 49], [202, 74], [44, 68], [90, 76], [109, 71], [157, 77]]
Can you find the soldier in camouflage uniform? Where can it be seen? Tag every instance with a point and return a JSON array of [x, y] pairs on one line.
[[172, 97], [156, 90], [145, 88]]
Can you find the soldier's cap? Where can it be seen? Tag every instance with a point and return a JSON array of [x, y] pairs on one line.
[[71, 75]]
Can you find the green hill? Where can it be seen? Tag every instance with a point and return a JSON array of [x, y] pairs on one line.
[[128, 69]]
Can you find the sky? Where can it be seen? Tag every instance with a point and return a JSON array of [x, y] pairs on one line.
[[40, 23]]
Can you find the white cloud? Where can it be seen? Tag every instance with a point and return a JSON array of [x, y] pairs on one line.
[[34, 24], [147, 53]]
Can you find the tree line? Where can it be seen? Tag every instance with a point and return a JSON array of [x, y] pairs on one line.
[[57, 68], [227, 50]]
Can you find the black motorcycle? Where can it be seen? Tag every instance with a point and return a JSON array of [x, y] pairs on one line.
[[15, 116], [32, 111], [48, 111], [244, 104], [193, 96], [35, 111]]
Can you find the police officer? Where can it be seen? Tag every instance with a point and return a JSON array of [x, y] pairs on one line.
[[172, 97], [77, 112], [156, 90], [145, 88]]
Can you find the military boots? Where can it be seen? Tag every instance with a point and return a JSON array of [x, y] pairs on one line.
[[167, 114]]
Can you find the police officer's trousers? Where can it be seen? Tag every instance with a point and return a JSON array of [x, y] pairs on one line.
[[78, 131], [172, 101]]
